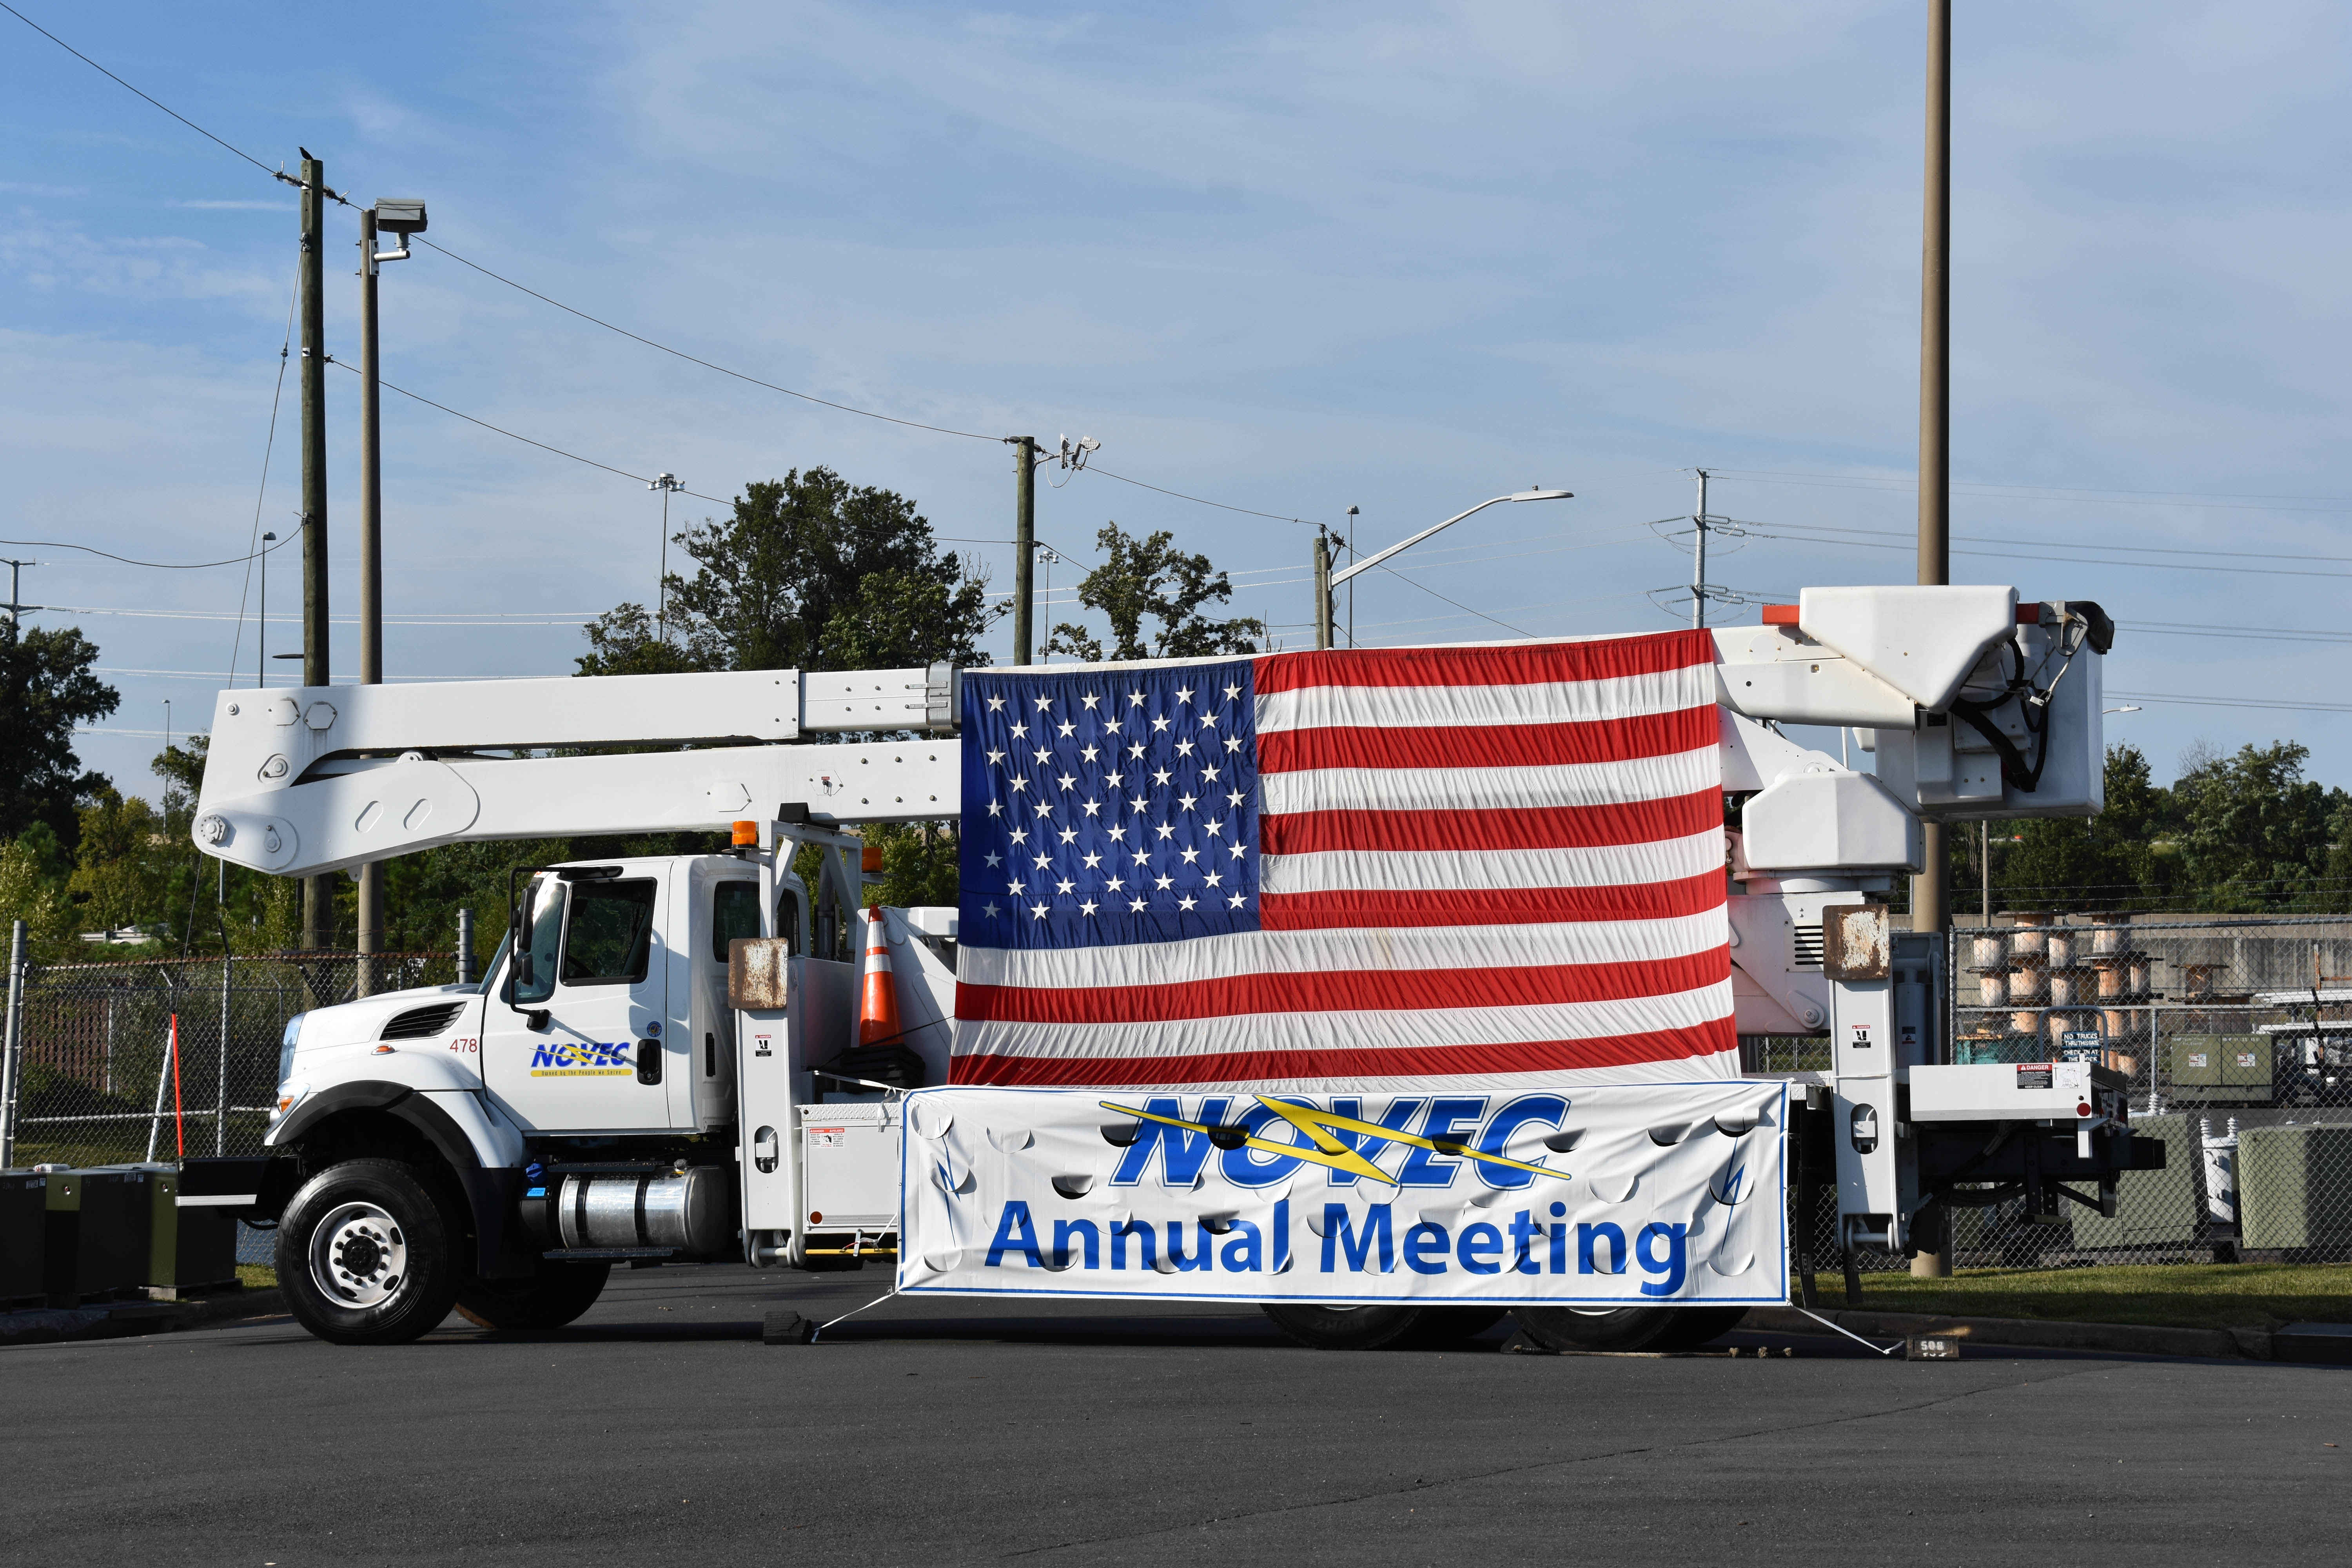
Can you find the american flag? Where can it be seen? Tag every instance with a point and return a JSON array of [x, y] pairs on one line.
[[1318, 869]]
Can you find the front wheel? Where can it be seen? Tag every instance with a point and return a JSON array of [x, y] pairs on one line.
[[1341, 1328], [364, 1255], [1655, 1328], [560, 1292]]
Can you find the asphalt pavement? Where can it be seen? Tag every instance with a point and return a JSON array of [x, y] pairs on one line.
[[659, 1429]]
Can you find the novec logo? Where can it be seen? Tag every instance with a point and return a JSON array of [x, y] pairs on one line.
[[585, 1058]]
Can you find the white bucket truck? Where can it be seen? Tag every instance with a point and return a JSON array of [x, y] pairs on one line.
[[659, 1063]]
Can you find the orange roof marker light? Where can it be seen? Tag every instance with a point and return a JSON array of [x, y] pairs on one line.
[[747, 835]]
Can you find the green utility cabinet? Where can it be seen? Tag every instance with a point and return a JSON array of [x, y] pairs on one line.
[[186, 1247], [2153, 1208], [2220, 1070], [97, 1232], [23, 1230], [2295, 1187]]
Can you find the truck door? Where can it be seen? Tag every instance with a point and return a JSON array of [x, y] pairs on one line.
[[596, 986]]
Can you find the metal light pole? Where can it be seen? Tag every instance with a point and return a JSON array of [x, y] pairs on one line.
[[1327, 582], [1352, 587], [1930, 890], [402, 218], [665, 483], [261, 654]]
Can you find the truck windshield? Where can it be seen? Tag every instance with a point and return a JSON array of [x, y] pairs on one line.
[[490, 970]]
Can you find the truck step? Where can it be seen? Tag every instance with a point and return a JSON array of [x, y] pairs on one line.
[[585, 1254]]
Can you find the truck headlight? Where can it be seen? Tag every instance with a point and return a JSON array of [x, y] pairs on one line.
[[286, 1044]]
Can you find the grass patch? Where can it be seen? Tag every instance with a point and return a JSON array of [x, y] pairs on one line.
[[258, 1276], [2180, 1296]]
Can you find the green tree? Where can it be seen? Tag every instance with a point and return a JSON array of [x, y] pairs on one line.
[[2104, 862], [621, 641], [809, 572], [2255, 833], [1151, 578], [47, 688], [115, 881]]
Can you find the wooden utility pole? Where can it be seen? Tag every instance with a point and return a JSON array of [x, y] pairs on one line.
[[318, 892], [371, 898], [1322, 590], [1930, 891], [1025, 544]]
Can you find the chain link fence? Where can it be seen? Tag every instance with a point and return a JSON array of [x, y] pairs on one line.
[[119, 1063], [2236, 1037]]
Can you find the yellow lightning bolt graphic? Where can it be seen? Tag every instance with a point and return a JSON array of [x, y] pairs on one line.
[[1329, 1151]]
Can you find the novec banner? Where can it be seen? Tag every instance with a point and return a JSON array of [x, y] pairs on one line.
[[1631, 1195]]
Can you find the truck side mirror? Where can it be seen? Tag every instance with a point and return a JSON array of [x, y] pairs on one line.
[[522, 966]]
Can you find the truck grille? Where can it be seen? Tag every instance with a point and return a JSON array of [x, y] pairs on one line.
[[424, 1022]]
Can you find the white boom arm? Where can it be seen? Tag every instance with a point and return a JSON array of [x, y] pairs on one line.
[[317, 779], [1961, 694]]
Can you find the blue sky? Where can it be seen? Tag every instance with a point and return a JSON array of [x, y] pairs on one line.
[[1289, 259]]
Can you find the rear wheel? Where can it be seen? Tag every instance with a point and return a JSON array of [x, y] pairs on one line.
[[1323, 1328], [364, 1257], [1626, 1328], [559, 1293]]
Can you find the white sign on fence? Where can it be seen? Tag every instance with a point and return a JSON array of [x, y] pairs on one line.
[[1631, 1194]]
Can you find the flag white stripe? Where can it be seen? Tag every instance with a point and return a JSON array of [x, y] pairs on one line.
[[1666, 777], [1488, 870], [1369, 1030], [1429, 949], [1439, 707], [1676, 1070]]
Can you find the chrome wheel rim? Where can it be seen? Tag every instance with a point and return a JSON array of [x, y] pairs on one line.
[[359, 1256]]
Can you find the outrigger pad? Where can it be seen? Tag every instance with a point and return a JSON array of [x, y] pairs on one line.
[[787, 1328]]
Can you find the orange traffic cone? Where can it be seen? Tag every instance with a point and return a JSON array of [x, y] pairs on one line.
[[878, 1009]]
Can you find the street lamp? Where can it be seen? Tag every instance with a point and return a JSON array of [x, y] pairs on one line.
[[1327, 582], [399, 217], [665, 483]]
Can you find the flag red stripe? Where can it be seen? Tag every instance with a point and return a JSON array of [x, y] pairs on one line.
[[1343, 991], [1597, 660], [1490, 746], [1234, 1066], [1632, 901], [1531, 828]]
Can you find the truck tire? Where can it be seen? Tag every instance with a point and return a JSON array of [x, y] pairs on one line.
[[561, 1293], [364, 1255], [1439, 1328], [1323, 1328], [1656, 1329]]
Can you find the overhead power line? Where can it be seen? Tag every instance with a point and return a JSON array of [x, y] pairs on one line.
[[2211, 499], [159, 565], [2022, 550], [692, 359], [2192, 699], [128, 87]]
